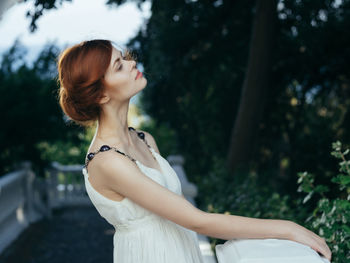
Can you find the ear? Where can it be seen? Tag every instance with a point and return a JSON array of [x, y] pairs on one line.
[[104, 99]]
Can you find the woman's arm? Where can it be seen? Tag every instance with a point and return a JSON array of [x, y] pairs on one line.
[[230, 226], [226, 227], [117, 173]]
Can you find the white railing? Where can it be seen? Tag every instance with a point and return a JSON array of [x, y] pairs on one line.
[[65, 186], [26, 198], [268, 250], [22, 202]]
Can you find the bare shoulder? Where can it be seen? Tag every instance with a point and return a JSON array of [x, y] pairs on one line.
[[124, 177], [103, 160], [151, 141]]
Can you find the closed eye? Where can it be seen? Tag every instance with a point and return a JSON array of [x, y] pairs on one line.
[[121, 65]]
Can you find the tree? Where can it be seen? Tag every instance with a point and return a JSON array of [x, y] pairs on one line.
[[195, 59], [30, 110], [256, 85]]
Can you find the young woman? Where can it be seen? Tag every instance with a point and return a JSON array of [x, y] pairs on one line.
[[131, 185]]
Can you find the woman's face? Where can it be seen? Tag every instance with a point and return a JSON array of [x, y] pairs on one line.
[[120, 78]]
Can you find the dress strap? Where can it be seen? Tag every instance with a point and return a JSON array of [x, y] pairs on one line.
[[104, 148], [141, 135]]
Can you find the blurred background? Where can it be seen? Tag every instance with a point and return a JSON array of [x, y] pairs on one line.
[[253, 94]]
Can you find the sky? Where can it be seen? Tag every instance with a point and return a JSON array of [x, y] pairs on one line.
[[71, 23]]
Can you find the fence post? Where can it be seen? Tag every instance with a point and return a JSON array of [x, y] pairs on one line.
[[28, 189]]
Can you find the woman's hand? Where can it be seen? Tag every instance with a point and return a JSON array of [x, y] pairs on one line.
[[303, 235]]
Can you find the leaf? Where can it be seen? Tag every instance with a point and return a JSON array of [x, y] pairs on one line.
[[336, 155], [336, 145], [306, 198], [343, 204], [344, 179], [346, 229], [321, 189]]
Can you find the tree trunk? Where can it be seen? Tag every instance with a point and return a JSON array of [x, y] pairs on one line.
[[255, 86]]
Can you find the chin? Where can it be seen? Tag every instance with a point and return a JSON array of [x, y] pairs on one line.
[[145, 83]]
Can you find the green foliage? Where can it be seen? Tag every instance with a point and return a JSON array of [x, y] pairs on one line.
[[247, 194], [195, 55], [194, 74], [165, 137], [33, 126], [244, 194], [331, 217]]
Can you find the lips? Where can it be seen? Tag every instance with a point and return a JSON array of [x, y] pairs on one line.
[[138, 75]]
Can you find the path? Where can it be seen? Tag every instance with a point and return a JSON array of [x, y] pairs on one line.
[[64, 239]]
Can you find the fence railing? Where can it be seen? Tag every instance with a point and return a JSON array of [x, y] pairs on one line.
[[22, 202], [65, 186]]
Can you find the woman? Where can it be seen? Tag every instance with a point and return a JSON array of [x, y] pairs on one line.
[[131, 185]]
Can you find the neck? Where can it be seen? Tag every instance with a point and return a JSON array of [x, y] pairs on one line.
[[112, 126]]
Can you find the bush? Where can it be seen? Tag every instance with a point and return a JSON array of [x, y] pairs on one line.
[[244, 194], [33, 127], [331, 215]]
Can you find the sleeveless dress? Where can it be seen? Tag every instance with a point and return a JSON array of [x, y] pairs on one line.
[[141, 235]]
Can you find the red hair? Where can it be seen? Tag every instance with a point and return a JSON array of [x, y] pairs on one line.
[[81, 70]]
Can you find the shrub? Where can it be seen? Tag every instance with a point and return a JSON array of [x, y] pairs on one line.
[[243, 194], [331, 215]]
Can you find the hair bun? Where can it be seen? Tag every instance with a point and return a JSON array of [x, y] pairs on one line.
[[80, 70]]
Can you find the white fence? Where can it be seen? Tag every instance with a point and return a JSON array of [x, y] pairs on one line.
[[22, 202]]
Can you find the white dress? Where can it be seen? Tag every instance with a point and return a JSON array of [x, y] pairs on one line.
[[142, 236]]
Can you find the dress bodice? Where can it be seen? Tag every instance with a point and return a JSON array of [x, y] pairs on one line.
[[120, 213]]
